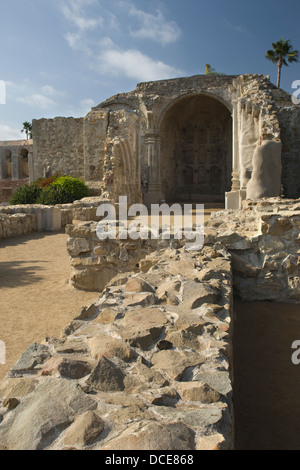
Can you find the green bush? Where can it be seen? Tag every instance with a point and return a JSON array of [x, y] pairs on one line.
[[50, 196], [51, 191], [75, 188], [27, 194]]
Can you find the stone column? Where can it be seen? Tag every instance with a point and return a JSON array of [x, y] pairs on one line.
[[15, 166], [235, 148], [233, 199], [152, 142]]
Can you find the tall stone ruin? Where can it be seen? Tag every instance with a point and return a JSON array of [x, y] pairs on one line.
[[196, 139]]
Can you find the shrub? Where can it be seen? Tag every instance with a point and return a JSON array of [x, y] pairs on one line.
[[45, 182], [52, 195], [75, 188], [51, 191], [27, 194]]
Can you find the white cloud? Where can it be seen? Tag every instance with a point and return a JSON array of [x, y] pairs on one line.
[[77, 42], [134, 64], [74, 12], [155, 27], [10, 133], [51, 91], [37, 100]]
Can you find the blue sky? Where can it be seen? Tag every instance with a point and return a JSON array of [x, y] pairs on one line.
[[61, 57]]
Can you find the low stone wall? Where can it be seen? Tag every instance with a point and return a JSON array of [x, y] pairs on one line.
[[45, 218], [264, 241], [16, 225], [146, 367]]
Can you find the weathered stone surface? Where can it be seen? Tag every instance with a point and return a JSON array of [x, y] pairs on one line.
[[244, 267], [213, 442], [86, 428], [183, 339], [110, 347], [267, 171], [217, 380], [197, 391], [34, 356], [142, 326], [196, 294], [196, 418], [154, 436], [152, 377], [106, 377], [17, 388], [136, 284], [174, 363], [87, 312], [10, 403], [143, 299], [270, 244], [107, 315], [66, 367], [78, 246], [40, 417]]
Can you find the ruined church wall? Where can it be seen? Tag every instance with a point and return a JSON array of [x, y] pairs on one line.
[[58, 146], [289, 118]]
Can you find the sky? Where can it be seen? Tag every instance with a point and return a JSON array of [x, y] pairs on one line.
[[62, 57]]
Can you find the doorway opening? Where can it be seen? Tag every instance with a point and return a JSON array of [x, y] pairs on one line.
[[196, 150]]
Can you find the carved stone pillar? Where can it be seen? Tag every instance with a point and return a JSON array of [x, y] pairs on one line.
[[235, 149], [152, 142]]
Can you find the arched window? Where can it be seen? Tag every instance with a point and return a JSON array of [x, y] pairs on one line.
[[23, 164], [6, 164]]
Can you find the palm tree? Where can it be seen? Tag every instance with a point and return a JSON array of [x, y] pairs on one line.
[[27, 128], [280, 54]]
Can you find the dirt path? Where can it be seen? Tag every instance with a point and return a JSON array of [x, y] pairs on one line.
[[266, 382], [36, 299]]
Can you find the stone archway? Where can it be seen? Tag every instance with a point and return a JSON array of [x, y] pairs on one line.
[[196, 150], [24, 163]]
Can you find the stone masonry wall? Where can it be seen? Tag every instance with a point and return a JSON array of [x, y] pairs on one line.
[[146, 367], [263, 239], [45, 218], [289, 118], [7, 187], [58, 147]]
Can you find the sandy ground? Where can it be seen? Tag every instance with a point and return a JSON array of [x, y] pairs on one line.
[[266, 382], [36, 299]]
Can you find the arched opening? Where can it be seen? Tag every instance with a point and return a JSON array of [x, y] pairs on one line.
[[23, 164], [196, 150], [7, 164]]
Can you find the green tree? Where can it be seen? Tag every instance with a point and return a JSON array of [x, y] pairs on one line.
[[209, 70], [282, 54], [27, 128]]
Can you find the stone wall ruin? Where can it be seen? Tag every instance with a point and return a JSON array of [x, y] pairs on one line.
[[185, 139], [16, 166]]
